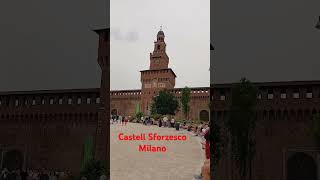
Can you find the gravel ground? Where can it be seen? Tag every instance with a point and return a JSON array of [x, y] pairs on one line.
[[181, 161]]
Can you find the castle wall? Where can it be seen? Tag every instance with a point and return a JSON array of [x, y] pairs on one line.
[[49, 127], [284, 126], [124, 102]]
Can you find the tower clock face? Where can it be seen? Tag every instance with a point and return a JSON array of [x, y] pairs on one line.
[[157, 61]]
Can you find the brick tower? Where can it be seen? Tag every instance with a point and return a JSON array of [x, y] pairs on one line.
[[103, 128], [159, 76]]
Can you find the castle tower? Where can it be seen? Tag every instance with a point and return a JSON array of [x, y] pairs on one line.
[[103, 128], [159, 58], [158, 77]]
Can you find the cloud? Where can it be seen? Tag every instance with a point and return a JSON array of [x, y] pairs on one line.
[[130, 36], [116, 34]]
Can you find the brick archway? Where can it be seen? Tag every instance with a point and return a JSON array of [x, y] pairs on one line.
[[204, 115], [301, 166]]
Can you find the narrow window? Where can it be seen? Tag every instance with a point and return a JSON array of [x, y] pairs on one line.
[[222, 96], [309, 93], [296, 94], [283, 94], [98, 100], [79, 100], [51, 101], [88, 101], [259, 96], [270, 94], [60, 100], [69, 101]]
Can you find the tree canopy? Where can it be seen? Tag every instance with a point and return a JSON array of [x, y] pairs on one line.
[[185, 99], [316, 128], [164, 103], [241, 124]]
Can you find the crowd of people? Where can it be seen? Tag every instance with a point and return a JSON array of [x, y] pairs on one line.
[[166, 122], [201, 130], [39, 175], [117, 119], [33, 175]]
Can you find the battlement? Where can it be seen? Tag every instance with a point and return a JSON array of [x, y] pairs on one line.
[[296, 96], [49, 99]]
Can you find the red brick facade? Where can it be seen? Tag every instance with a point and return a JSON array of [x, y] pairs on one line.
[[285, 145], [158, 77], [47, 129]]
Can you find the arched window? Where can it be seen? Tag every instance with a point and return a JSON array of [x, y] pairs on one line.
[[301, 166]]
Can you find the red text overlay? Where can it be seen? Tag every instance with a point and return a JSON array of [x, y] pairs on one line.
[[151, 137]]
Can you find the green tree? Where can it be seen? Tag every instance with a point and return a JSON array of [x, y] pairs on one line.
[[93, 169], [88, 146], [241, 125], [185, 99], [139, 115], [164, 103], [316, 128]]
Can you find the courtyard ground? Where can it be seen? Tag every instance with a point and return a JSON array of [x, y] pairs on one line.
[[181, 161]]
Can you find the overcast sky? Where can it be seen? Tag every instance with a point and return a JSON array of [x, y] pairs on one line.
[[134, 25], [49, 44], [265, 40]]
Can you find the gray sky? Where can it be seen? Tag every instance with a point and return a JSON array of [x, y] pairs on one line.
[[134, 25], [265, 40], [49, 45]]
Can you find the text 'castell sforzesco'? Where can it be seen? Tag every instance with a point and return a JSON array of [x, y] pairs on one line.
[[151, 137]]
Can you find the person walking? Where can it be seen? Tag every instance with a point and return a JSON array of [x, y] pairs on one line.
[[12, 175], [103, 177], [123, 120], [52, 176], [4, 174], [172, 122], [165, 119], [120, 119], [18, 175], [23, 175], [126, 121]]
